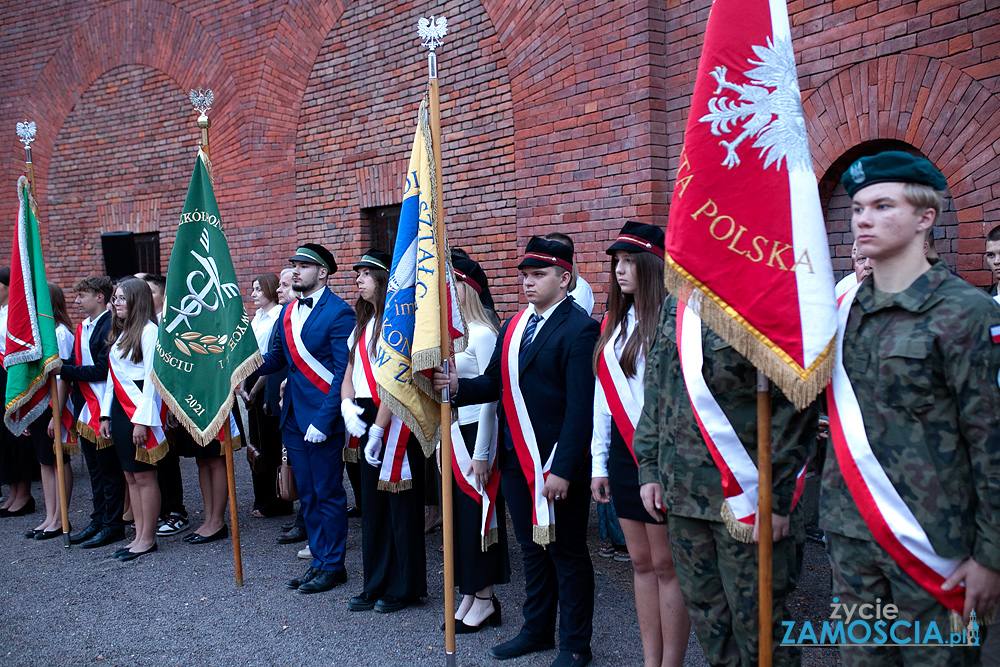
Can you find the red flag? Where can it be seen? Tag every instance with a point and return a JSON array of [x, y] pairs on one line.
[[746, 228]]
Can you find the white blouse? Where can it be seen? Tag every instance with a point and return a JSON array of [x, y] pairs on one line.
[[601, 440], [472, 362], [146, 411], [262, 324], [65, 339], [358, 379]]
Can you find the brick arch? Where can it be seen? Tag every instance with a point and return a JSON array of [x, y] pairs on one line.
[[149, 33], [937, 109]]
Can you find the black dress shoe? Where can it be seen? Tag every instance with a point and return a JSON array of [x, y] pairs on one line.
[[304, 579], [324, 581], [353, 512], [132, 555], [292, 536], [493, 620], [29, 534], [118, 553], [28, 508], [285, 527], [104, 537], [48, 534], [388, 604], [362, 602], [85, 534], [220, 534], [570, 659], [517, 647]]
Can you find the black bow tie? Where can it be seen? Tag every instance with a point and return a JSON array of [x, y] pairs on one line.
[[308, 302]]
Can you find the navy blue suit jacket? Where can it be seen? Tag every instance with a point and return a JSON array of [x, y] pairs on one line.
[[324, 333], [98, 372], [557, 382]]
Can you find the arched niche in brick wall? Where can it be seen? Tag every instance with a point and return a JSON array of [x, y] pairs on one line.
[[939, 111], [357, 120], [128, 175], [837, 208]]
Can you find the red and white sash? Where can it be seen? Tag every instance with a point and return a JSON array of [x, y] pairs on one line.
[[739, 472], [487, 498], [89, 421], [521, 430], [884, 511], [394, 474], [625, 408], [313, 370], [130, 397]]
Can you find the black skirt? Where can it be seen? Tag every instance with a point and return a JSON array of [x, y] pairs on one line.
[[41, 443], [121, 434], [17, 458], [474, 568], [623, 477]]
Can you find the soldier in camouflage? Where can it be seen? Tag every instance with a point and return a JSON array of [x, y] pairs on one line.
[[717, 572], [919, 354]]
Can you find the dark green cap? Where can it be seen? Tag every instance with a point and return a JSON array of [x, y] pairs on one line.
[[892, 167]]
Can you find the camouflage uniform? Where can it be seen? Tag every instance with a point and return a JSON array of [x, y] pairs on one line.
[[717, 573], [925, 372]]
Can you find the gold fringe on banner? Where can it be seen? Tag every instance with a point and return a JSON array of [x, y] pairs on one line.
[[152, 456], [740, 531], [85, 431], [395, 487], [72, 448], [800, 385]]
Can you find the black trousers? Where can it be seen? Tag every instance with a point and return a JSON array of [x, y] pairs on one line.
[[392, 532], [265, 434], [168, 476], [560, 574], [107, 484]]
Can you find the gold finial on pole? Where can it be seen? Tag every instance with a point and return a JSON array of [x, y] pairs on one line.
[[26, 133], [202, 101]]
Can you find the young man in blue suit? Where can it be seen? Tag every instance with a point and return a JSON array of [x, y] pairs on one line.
[[541, 372], [311, 341]]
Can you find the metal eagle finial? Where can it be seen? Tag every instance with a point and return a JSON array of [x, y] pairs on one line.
[[26, 132], [432, 31], [202, 100]]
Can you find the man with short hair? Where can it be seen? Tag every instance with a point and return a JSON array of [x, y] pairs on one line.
[[88, 371], [910, 498], [862, 268], [541, 373], [311, 342], [992, 257]]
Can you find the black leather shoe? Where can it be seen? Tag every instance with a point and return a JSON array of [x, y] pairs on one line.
[[493, 620], [517, 647], [104, 537], [48, 534], [362, 602], [323, 581], [118, 553], [132, 555], [29, 507], [30, 534], [85, 534], [388, 604], [570, 659], [285, 527], [305, 578], [220, 534], [353, 512], [292, 536]]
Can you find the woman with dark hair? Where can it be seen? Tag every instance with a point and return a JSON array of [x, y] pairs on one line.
[[635, 296], [17, 461], [130, 408], [42, 433], [481, 557], [265, 432], [392, 534]]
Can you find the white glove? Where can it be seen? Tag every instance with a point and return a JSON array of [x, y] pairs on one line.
[[352, 417], [374, 446], [313, 434]]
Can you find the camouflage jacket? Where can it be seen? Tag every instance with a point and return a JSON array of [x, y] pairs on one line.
[[925, 371], [668, 444]]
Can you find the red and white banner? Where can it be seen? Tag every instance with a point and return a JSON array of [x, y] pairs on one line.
[[884, 511], [317, 373], [516, 412], [746, 228]]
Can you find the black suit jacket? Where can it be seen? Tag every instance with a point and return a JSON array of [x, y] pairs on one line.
[[272, 382], [557, 382], [98, 372]]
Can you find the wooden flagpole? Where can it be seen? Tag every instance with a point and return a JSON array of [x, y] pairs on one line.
[[431, 32], [765, 531], [27, 137], [227, 446]]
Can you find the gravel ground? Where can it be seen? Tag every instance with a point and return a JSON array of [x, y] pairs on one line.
[[180, 606]]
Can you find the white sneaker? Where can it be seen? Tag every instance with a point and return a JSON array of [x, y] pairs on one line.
[[305, 554], [174, 524]]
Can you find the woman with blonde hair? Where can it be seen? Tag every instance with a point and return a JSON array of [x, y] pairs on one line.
[[130, 409]]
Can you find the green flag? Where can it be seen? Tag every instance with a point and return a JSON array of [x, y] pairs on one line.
[[205, 346], [32, 351]]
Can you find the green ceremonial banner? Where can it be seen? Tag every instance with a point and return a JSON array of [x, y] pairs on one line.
[[205, 346], [32, 351]]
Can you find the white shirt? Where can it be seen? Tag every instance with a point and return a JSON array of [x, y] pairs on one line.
[[358, 379], [472, 362], [65, 340], [262, 324], [145, 412], [301, 312], [601, 440], [86, 331], [845, 284], [583, 295]]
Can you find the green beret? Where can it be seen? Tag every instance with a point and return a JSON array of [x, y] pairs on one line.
[[892, 167]]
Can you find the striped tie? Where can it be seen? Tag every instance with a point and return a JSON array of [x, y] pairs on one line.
[[529, 333]]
